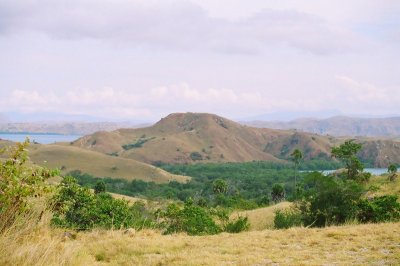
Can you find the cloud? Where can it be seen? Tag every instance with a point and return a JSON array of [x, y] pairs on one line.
[[109, 102], [359, 96], [174, 25]]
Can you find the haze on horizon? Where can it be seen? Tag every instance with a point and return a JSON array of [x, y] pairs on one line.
[[140, 60]]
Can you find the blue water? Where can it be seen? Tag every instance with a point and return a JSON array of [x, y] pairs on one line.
[[40, 138], [373, 171]]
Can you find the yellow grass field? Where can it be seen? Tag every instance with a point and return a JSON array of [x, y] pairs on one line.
[[370, 244]]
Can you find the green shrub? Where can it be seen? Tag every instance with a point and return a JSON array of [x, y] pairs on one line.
[[19, 181], [138, 144], [191, 219], [100, 187], [277, 193], [239, 225], [380, 209], [196, 156], [78, 208], [287, 218]]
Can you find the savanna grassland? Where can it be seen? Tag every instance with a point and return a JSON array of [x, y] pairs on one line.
[[247, 213], [368, 244], [29, 243]]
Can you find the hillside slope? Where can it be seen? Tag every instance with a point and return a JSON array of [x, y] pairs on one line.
[[187, 137], [200, 137], [68, 158]]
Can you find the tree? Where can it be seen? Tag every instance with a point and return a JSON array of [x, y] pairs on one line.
[[392, 170], [328, 200], [297, 155], [277, 193], [220, 186], [100, 187], [347, 153]]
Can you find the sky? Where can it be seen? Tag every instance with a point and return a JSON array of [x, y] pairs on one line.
[[141, 60]]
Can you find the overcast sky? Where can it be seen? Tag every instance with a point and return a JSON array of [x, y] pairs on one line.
[[130, 60]]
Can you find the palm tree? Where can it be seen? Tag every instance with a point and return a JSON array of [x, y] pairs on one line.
[[297, 155]]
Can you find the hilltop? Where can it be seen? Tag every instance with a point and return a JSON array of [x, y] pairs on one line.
[[202, 137], [338, 126]]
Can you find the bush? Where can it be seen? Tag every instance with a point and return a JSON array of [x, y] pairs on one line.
[[196, 156], [287, 218], [239, 225], [328, 200], [19, 181], [100, 187], [380, 209], [191, 219], [78, 208]]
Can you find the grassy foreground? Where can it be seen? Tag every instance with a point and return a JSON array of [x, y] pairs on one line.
[[372, 244]]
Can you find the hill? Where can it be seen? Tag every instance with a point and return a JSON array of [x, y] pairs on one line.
[[200, 137], [68, 158], [338, 126]]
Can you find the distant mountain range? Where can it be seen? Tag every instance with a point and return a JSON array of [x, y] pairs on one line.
[[338, 126], [67, 128]]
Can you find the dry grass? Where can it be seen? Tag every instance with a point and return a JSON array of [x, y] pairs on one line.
[[262, 218], [72, 158], [373, 244], [385, 186]]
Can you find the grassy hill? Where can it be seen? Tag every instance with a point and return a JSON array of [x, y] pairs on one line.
[[69, 158], [97, 164], [199, 137]]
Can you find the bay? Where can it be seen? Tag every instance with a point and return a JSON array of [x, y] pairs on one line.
[[42, 138]]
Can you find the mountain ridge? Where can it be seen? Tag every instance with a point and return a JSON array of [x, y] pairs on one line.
[[204, 137], [338, 126]]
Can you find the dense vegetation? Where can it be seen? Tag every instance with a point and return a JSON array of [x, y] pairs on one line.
[[248, 184], [338, 198]]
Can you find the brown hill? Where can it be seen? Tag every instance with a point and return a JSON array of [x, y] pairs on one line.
[[185, 138], [194, 137]]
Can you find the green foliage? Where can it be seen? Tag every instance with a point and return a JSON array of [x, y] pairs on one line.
[[287, 218], [327, 200], [347, 153], [297, 155], [392, 168], [277, 193], [192, 219], [78, 208], [137, 144], [100, 187], [196, 156], [249, 184], [380, 209], [19, 181], [239, 225], [220, 186]]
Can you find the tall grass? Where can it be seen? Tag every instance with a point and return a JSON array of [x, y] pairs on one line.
[[29, 240]]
